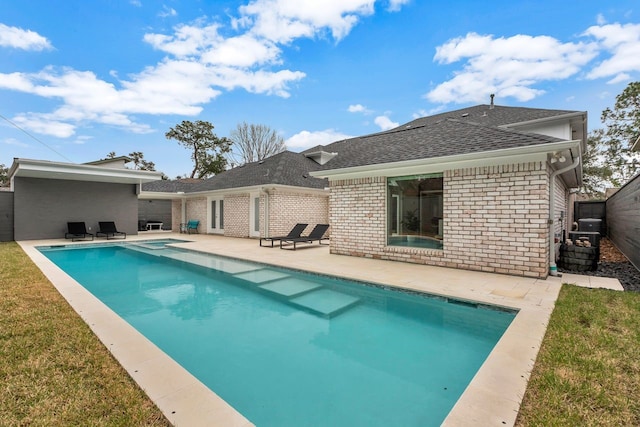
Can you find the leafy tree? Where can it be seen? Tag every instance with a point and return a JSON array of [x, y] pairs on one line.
[[255, 143], [207, 150], [622, 130], [140, 163], [137, 157], [609, 161], [597, 173], [4, 175]]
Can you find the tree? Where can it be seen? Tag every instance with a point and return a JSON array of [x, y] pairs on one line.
[[598, 174], [622, 130], [609, 161], [137, 157], [4, 175], [255, 143], [207, 150]]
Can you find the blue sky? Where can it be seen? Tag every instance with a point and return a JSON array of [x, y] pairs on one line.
[[84, 78]]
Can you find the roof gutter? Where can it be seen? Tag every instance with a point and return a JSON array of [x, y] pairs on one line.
[[553, 269]]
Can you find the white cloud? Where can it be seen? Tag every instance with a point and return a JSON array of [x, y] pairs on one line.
[[305, 139], [15, 142], [508, 67], [45, 124], [623, 44], [600, 19], [282, 21], [167, 12], [396, 5], [22, 39], [358, 108], [385, 123], [202, 60]]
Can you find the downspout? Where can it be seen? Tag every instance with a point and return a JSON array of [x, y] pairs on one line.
[[553, 269]]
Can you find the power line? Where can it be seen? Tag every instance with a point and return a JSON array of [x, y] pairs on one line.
[[34, 138]]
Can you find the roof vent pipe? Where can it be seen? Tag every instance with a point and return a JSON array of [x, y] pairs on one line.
[[491, 105]]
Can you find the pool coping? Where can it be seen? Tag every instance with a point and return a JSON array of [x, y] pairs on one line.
[[492, 397]]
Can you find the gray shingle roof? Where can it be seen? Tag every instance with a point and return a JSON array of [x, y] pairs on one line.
[[466, 131], [487, 116], [443, 138], [286, 168], [171, 186]]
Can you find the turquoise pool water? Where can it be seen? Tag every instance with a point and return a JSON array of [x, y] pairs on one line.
[[415, 241], [287, 348]]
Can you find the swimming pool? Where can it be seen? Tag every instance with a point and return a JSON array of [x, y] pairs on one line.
[[285, 348]]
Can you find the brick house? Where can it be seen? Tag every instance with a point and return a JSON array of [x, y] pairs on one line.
[[259, 199], [482, 188]]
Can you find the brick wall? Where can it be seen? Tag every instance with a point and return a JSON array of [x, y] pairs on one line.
[[176, 214], [196, 209], [236, 215], [495, 220], [289, 208]]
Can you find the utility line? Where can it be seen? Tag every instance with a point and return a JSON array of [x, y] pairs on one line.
[[33, 137]]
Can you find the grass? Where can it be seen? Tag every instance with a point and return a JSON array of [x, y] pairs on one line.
[[588, 370], [53, 369]]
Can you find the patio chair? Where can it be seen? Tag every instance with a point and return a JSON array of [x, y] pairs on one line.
[[316, 234], [293, 234], [77, 231], [187, 227], [108, 229]]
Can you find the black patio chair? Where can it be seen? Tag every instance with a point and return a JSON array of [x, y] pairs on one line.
[[108, 230], [316, 234], [293, 234], [77, 231]]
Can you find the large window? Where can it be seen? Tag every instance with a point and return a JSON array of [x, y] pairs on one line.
[[414, 211]]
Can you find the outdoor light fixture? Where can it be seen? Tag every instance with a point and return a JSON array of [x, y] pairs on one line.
[[557, 157]]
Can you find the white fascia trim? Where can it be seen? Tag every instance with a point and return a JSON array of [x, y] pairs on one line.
[[40, 168], [253, 189], [158, 195], [530, 153], [562, 117]]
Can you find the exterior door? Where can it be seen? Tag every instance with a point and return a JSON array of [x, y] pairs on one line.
[[215, 215], [254, 215]]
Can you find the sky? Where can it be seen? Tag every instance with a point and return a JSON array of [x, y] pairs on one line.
[[80, 79]]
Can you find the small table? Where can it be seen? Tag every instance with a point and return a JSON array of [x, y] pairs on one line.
[[154, 226]]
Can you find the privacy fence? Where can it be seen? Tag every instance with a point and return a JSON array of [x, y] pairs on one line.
[[6, 216], [623, 220]]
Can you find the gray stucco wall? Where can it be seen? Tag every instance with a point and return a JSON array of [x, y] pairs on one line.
[[155, 210], [6, 216], [44, 206]]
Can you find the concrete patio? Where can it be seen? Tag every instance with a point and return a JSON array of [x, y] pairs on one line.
[[492, 398]]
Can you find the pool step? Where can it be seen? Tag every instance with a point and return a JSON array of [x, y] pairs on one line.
[[203, 260], [289, 287], [325, 302], [262, 275]]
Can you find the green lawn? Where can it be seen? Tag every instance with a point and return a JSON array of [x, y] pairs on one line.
[[53, 370], [588, 369]]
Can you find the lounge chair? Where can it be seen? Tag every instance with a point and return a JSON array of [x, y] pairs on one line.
[[77, 231], [316, 234], [293, 234], [186, 227], [108, 229]]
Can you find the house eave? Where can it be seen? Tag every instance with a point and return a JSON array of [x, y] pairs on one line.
[[235, 190], [526, 154], [28, 168]]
